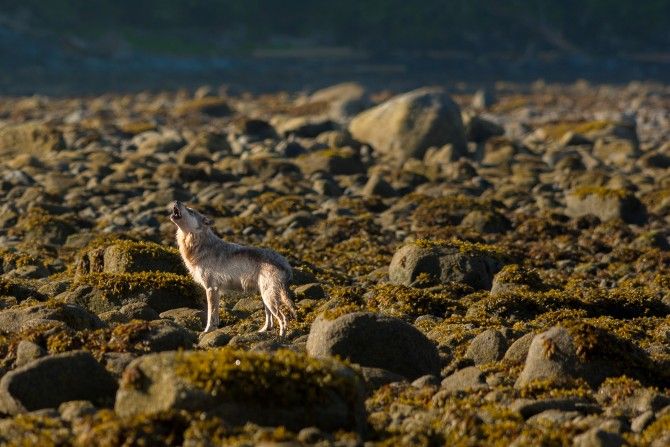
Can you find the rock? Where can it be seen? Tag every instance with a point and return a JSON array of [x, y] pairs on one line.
[[164, 335], [638, 424], [427, 380], [486, 222], [102, 292], [192, 319], [344, 100], [375, 341], [52, 380], [518, 351], [483, 98], [152, 142], [377, 186], [30, 138], [606, 204], [479, 129], [303, 126], [529, 407], [551, 357], [378, 377], [617, 151], [26, 352], [406, 125], [248, 304], [209, 105], [76, 409], [282, 388], [15, 319], [466, 379], [131, 257], [215, 338], [443, 263], [139, 310], [489, 346], [597, 437], [342, 161], [313, 291]]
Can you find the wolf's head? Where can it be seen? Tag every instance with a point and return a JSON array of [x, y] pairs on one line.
[[187, 219]]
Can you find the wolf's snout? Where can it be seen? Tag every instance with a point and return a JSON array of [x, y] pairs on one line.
[[176, 212]]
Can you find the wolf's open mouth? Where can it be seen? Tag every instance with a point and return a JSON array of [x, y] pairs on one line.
[[175, 213]]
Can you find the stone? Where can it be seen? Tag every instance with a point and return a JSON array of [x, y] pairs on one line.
[[76, 317], [551, 357], [30, 138], [518, 351], [26, 352], [76, 409], [479, 129], [489, 346], [377, 186], [192, 319], [341, 161], [378, 377], [466, 379], [597, 437], [606, 204], [282, 388], [151, 142], [529, 407], [131, 257], [49, 381], [375, 341], [215, 338], [443, 264], [406, 125], [313, 291]]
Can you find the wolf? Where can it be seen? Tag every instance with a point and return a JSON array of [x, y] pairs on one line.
[[218, 266]]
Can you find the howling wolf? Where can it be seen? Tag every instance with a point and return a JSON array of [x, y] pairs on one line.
[[218, 266]]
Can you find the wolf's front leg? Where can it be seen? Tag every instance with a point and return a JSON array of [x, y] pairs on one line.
[[212, 309]]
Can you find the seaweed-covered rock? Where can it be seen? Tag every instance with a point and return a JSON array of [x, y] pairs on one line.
[[52, 380], [606, 204], [110, 291], [129, 257], [283, 388], [376, 341], [342, 161], [30, 137], [76, 317], [406, 125], [488, 346], [466, 379], [444, 262], [551, 357]]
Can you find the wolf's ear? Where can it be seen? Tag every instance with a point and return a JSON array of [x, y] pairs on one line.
[[207, 221]]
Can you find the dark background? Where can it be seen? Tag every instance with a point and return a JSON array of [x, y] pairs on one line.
[[68, 46]]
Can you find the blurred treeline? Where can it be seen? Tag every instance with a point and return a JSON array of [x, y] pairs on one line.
[[590, 26]]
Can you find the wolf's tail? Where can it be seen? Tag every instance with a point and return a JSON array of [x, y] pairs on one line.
[[285, 296]]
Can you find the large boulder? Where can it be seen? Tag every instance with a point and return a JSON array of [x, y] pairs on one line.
[[76, 317], [471, 264], [375, 341], [126, 256], [606, 204], [31, 138], [102, 292], [407, 125], [283, 388], [49, 381], [551, 357]]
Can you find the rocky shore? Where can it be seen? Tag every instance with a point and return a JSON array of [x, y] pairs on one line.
[[484, 268]]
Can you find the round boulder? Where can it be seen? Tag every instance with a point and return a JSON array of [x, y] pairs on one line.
[[375, 340]]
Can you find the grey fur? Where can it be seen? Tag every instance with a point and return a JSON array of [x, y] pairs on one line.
[[218, 266]]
